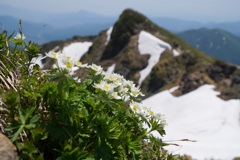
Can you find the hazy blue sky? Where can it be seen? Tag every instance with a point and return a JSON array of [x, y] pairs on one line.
[[200, 10]]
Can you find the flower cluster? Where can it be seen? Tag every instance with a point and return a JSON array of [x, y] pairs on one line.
[[65, 61], [115, 85], [146, 111], [118, 87]]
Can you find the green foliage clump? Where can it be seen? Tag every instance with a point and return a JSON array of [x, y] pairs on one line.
[[52, 114]]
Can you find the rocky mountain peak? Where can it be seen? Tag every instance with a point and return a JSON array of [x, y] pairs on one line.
[[156, 59], [129, 24]]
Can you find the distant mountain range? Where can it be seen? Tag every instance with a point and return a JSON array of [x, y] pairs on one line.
[[177, 25], [43, 27], [215, 42], [41, 32]]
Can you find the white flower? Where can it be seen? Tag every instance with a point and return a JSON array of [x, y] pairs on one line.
[[63, 61], [66, 58], [129, 83], [151, 113], [80, 64], [123, 90], [115, 95], [103, 85], [96, 68], [141, 94], [117, 79], [52, 54], [20, 36], [148, 111], [135, 106], [67, 61], [134, 91]]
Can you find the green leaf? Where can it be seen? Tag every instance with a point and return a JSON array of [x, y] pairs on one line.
[[35, 119], [21, 117], [16, 135]]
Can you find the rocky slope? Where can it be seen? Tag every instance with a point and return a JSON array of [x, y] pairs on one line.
[[178, 64]]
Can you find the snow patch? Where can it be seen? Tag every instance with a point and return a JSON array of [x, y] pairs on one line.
[[149, 44], [109, 32], [110, 69], [77, 49], [173, 89], [202, 116], [175, 53]]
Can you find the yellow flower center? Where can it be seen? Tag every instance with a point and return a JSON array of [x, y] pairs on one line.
[[151, 113], [106, 87], [69, 65], [79, 63], [54, 54], [135, 107]]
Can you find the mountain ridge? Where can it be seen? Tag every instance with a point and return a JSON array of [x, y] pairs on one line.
[[189, 70], [214, 42]]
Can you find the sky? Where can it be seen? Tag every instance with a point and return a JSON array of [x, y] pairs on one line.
[[198, 10]]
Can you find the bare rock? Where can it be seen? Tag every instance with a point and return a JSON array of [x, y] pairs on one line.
[[192, 81], [7, 149]]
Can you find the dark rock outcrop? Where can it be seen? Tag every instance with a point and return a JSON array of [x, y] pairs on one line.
[[191, 82], [220, 70]]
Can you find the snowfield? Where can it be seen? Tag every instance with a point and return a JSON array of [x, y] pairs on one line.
[[149, 44], [77, 49], [203, 117]]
